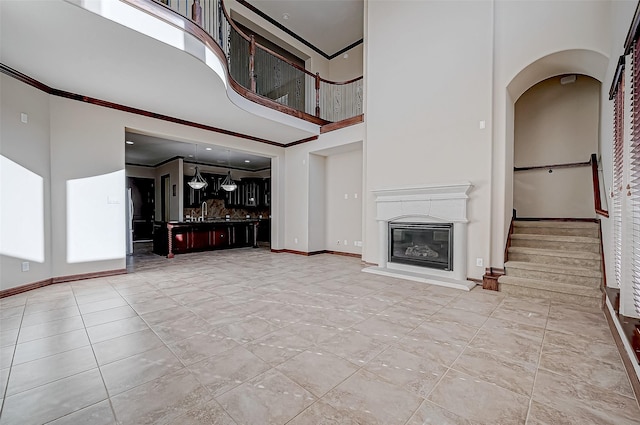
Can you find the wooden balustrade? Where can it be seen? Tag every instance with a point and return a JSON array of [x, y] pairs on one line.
[[334, 101]]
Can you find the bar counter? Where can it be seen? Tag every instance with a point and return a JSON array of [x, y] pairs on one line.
[[178, 237]]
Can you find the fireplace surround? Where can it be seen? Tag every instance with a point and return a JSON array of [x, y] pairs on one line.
[[439, 207]]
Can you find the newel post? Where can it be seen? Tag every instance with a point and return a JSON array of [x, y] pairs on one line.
[[196, 12], [317, 94], [252, 56]]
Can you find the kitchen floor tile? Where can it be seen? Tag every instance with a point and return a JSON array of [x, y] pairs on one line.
[[43, 347], [125, 346], [115, 329]]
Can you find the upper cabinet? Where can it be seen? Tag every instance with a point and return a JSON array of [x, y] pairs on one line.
[[251, 192]]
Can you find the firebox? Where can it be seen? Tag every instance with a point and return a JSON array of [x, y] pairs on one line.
[[422, 244]]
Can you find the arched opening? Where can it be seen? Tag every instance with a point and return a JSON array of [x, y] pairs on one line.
[[555, 133]]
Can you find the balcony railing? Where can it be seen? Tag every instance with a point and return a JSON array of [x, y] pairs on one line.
[[260, 71]]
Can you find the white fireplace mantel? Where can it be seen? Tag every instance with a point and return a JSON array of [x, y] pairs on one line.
[[440, 203]]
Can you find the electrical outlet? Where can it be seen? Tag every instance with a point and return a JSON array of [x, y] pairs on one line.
[[346, 242], [346, 196], [25, 266], [337, 242], [479, 262], [295, 240]]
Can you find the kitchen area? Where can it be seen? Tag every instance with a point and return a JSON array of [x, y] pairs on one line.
[[184, 197]]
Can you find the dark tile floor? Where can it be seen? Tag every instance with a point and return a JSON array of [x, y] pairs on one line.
[[250, 337]]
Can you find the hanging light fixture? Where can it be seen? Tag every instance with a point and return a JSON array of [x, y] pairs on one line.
[[228, 184], [197, 182]]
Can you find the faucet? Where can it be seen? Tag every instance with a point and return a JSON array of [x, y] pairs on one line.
[[204, 211]]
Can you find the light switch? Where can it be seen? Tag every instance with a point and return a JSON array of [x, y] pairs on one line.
[[483, 124], [24, 118]]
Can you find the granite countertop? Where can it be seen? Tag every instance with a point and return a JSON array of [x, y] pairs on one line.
[[216, 221]]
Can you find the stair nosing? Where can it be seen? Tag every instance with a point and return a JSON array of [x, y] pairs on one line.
[[531, 283], [581, 255], [553, 268], [555, 238]]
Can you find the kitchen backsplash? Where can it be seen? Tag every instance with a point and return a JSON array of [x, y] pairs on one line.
[[216, 209]]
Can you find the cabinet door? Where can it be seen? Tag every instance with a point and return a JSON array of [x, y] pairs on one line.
[[180, 240], [199, 239], [220, 237]]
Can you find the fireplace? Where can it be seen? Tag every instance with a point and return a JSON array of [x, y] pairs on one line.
[[422, 244], [422, 234]]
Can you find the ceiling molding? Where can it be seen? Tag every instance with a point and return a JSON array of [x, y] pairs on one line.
[[99, 102], [302, 40]]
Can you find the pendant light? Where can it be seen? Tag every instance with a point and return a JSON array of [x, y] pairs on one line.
[[197, 182], [228, 184]]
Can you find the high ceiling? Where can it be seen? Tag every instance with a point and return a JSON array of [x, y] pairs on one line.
[[330, 25]]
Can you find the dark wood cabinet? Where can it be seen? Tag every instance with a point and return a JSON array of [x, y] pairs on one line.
[[179, 237]]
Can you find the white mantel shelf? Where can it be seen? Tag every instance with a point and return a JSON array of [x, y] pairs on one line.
[[438, 203]]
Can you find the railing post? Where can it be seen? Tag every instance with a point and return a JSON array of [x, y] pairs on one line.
[[318, 94], [196, 12], [252, 56]]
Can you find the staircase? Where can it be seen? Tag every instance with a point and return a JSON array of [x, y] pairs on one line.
[[558, 260]]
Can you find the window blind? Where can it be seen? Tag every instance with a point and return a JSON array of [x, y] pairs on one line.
[[634, 184], [617, 178]]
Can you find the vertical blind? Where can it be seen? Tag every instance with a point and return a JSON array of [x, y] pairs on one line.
[[634, 183], [618, 110]]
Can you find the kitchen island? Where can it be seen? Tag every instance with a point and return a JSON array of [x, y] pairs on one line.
[[178, 237]]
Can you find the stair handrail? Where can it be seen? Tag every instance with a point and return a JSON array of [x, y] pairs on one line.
[[597, 198], [333, 101]]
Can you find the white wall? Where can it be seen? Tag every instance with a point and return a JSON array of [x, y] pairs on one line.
[[534, 40], [556, 124], [425, 98], [344, 69], [297, 183], [317, 200], [26, 144], [69, 143], [344, 201]]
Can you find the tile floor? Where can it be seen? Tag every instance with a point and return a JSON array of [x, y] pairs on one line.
[[251, 337]]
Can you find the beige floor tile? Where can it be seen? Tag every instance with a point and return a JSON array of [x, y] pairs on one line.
[[29, 375], [209, 413], [320, 413], [580, 399], [510, 344], [125, 346], [107, 304], [317, 371], [442, 353], [413, 373], [116, 329], [109, 315], [182, 328], [270, 398], [589, 347], [56, 327], [227, 370], [384, 330], [247, 330], [202, 346], [49, 316], [583, 368], [437, 329], [353, 346], [430, 414], [161, 400], [96, 414], [371, 400], [54, 400], [6, 356], [503, 371], [278, 346], [44, 347], [132, 371], [491, 404]]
